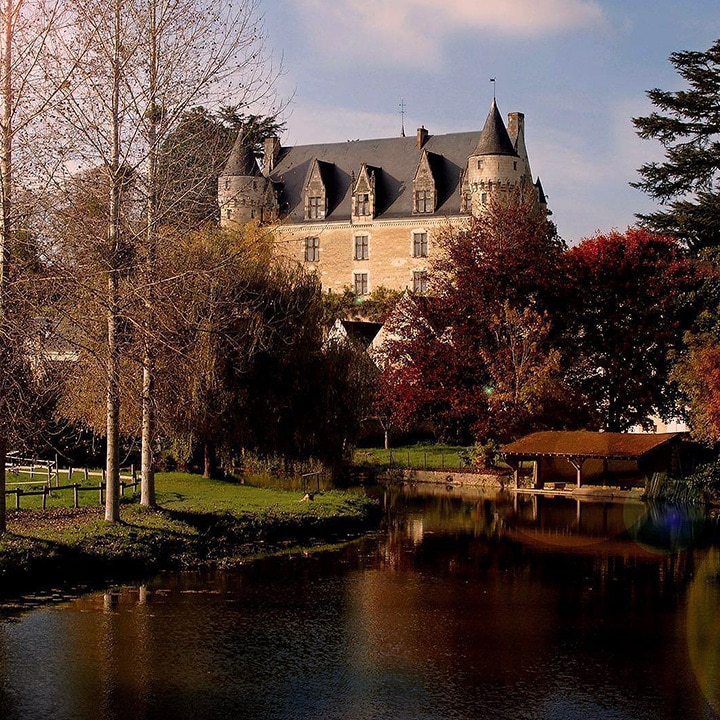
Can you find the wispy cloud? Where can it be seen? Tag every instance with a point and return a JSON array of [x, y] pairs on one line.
[[415, 31]]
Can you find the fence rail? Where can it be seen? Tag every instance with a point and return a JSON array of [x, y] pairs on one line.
[[49, 477]]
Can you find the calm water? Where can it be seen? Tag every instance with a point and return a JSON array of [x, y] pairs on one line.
[[467, 607]]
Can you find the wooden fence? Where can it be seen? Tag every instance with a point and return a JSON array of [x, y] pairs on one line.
[[49, 477]]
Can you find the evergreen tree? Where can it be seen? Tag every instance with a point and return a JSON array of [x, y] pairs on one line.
[[687, 124]]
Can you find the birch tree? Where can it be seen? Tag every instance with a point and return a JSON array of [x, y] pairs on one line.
[[194, 51], [140, 65], [26, 96]]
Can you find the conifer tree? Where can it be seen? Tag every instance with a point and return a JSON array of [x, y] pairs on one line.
[[687, 124]]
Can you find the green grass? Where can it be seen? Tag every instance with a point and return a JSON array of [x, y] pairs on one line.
[[182, 492], [196, 521], [431, 457]]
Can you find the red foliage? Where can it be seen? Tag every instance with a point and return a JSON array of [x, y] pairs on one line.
[[626, 318], [453, 358]]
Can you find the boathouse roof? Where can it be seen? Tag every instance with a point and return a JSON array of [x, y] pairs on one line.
[[586, 444]]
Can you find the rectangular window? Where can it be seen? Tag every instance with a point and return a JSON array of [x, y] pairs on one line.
[[312, 249], [419, 281], [314, 208], [424, 201], [362, 204], [361, 247], [361, 283], [483, 198], [420, 244]]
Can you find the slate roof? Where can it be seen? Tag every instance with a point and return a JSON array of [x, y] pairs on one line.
[[242, 160], [395, 160], [581, 443], [494, 138]]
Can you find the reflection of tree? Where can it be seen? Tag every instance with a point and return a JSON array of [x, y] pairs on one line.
[[703, 627]]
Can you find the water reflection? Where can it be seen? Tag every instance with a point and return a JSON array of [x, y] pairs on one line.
[[469, 606]]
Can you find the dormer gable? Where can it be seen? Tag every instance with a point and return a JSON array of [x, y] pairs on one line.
[[364, 198], [424, 187], [316, 190]]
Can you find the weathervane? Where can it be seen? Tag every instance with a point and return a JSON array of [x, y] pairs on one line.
[[402, 117], [492, 80]]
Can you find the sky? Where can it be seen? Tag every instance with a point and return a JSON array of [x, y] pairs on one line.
[[577, 69]]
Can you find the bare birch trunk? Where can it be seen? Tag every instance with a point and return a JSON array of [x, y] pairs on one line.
[[5, 210], [147, 487], [112, 474]]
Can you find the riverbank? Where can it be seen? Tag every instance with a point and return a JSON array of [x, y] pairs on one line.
[[197, 523]]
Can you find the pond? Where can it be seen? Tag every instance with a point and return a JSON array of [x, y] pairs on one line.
[[465, 606]]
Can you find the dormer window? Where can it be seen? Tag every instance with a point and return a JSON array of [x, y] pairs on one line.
[[364, 199], [315, 204], [362, 204], [424, 201], [315, 191], [424, 187]]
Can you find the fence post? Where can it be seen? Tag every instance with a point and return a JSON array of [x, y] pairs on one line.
[[32, 469], [133, 472], [87, 476], [18, 492], [70, 474], [102, 486], [49, 475], [76, 495], [44, 499]]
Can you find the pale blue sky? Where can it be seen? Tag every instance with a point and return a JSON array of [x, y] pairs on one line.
[[578, 69]]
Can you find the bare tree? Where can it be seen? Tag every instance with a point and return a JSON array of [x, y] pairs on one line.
[[26, 95], [194, 52], [140, 65]]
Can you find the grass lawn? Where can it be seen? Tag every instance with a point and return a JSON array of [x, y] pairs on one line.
[[196, 521], [430, 457]]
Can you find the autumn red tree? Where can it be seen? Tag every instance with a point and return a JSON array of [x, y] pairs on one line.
[[630, 304], [476, 355]]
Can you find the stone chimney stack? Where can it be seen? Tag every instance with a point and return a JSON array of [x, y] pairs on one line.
[[516, 126], [272, 151], [422, 136]]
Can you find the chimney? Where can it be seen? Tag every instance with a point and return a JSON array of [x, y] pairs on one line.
[[422, 136], [272, 151], [516, 127]]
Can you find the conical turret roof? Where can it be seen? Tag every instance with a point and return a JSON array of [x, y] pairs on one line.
[[494, 138], [242, 160]]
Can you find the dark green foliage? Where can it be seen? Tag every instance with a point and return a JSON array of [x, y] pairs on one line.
[[375, 307], [194, 155], [687, 124]]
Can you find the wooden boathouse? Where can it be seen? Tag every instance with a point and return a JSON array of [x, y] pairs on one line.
[[600, 458]]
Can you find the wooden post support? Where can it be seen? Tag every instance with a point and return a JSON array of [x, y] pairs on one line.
[[18, 493], [122, 488], [87, 476], [536, 479], [76, 495], [70, 474], [44, 498], [49, 474], [133, 473], [577, 463]]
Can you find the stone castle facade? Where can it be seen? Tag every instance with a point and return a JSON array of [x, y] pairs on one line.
[[367, 213]]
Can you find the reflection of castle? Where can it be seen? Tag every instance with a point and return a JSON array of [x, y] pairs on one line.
[[367, 213]]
